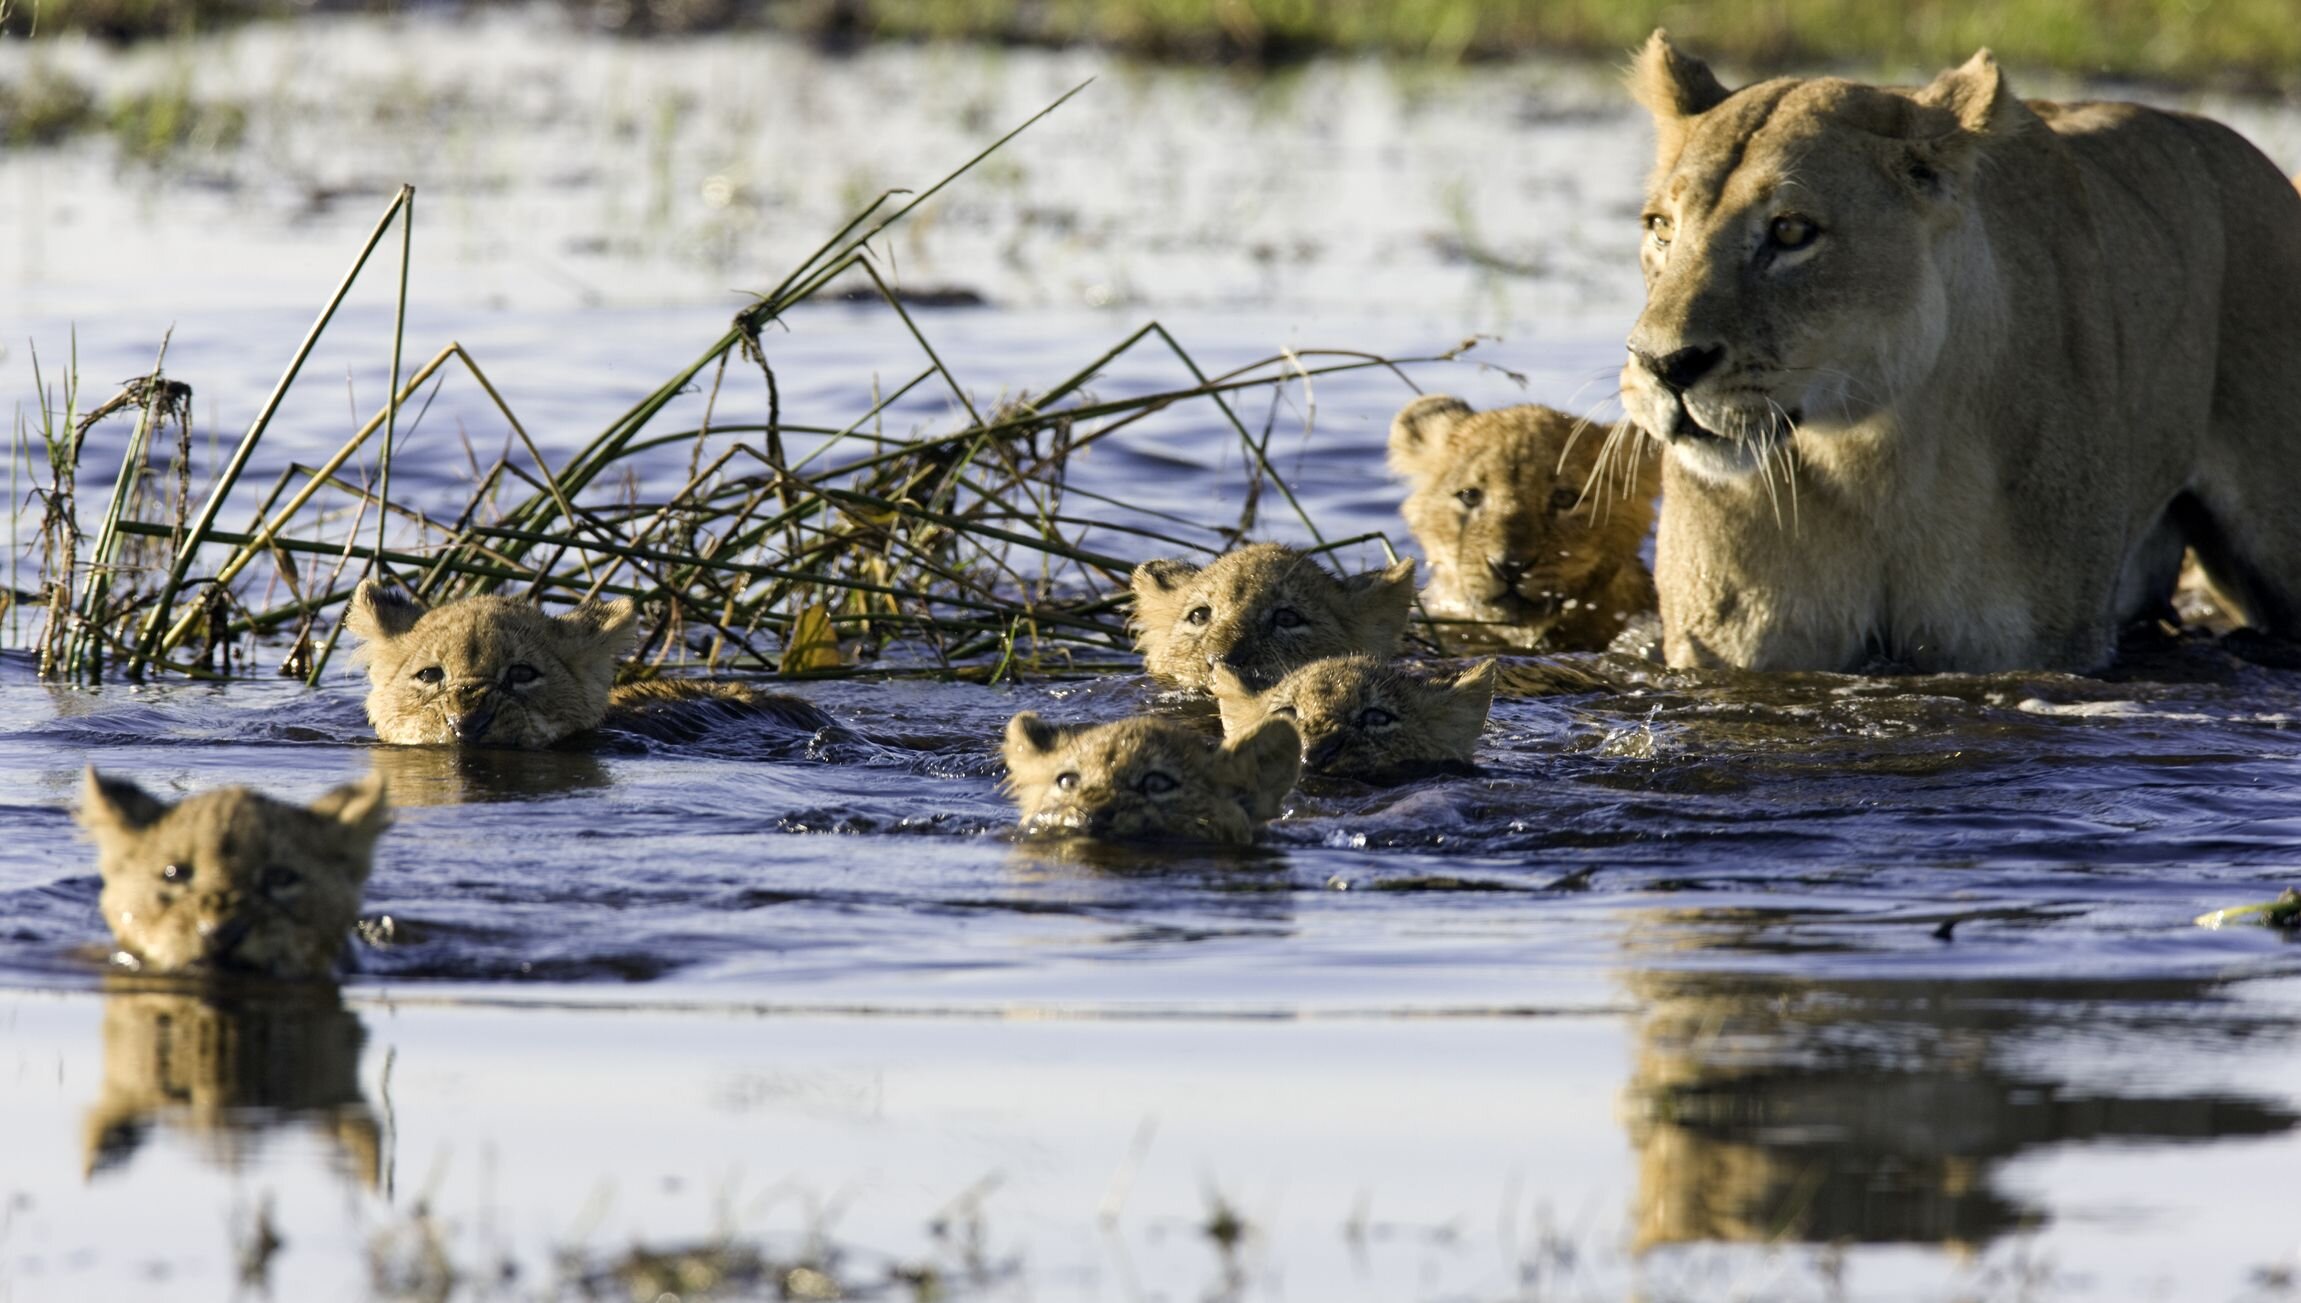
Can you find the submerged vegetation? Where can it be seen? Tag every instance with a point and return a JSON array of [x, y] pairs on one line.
[[2248, 42]]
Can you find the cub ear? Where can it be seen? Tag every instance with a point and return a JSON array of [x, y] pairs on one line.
[[1461, 714], [603, 628], [380, 614], [1158, 588], [361, 807], [1675, 87], [1419, 435], [115, 805], [1380, 602], [1265, 761], [1030, 738], [1240, 705]]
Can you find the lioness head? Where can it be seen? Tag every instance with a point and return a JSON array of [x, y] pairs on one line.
[[1149, 779], [1527, 515], [1804, 239], [1364, 718], [231, 880], [486, 671], [1262, 610]]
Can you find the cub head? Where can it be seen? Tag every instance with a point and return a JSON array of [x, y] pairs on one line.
[[486, 671], [231, 880], [1524, 512], [1362, 718], [1261, 611], [1149, 779], [1806, 245]]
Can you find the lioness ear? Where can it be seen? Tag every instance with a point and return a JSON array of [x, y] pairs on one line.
[[1265, 762], [1030, 738], [1158, 588], [1978, 100], [1381, 600], [1419, 433], [1675, 88], [361, 807], [380, 614], [115, 805], [608, 628]]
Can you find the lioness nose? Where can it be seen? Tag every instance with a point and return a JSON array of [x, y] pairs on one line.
[[1679, 371]]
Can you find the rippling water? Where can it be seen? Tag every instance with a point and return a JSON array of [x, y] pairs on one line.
[[1707, 985]]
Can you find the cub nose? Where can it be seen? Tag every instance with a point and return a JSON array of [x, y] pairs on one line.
[[1323, 753], [471, 725], [1681, 370], [1507, 569]]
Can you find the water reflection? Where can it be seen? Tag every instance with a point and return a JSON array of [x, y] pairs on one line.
[[440, 775], [1764, 1107], [226, 1066]]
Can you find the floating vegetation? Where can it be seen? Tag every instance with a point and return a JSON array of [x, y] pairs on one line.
[[2283, 912], [810, 550]]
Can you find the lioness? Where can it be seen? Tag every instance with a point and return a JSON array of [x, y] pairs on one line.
[[1948, 379], [232, 880], [1531, 521], [492, 671], [1262, 610], [1364, 718], [1148, 779]]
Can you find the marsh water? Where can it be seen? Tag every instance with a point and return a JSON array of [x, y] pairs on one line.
[[1705, 986]]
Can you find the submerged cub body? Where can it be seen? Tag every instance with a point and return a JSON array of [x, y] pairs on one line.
[[1364, 718], [1261, 611], [232, 880], [1149, 779], [1531, 521], [491, 671]]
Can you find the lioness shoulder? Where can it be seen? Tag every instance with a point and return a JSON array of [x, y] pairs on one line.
[[1146, 779], [1262, 610]]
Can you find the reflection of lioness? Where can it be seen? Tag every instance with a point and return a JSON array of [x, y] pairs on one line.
[[1950, 379]]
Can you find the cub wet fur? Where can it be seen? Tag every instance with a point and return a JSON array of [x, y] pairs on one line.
[[1368, 719], [1146, 779], [1261, 611], [492, 671], [232, 880], [1531, 521]]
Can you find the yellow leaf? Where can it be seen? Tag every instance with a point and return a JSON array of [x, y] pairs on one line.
[[812, 645]]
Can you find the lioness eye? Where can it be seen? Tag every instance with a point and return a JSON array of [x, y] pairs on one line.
[[1286, 617], [1564, 499], [1470, 497], [1660, 228], [1199, 615], [521, 675], [1376, 717], [430, 674], [176, 873], [1068, 780], [1790, 231], [279, 877], [1156, 783]]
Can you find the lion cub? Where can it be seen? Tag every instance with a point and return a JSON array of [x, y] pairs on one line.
[[232, 880], [1261, 611], [1532, 530], [1364, 718], [1148, 779], [492, 671]]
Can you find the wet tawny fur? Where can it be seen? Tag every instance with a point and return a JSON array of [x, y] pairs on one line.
[[1369, 719], [232, 880], [1262, 610], [1531, 521], [1948, 379], [491, 671], [1148, 779]]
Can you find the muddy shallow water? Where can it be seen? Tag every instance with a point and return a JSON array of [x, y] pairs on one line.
[[1706, 986]]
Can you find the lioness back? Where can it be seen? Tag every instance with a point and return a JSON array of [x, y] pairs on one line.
[[1146, 779], [1262, 610], [1369, 719], [232, 880], [1530, 519], [1950, 380]]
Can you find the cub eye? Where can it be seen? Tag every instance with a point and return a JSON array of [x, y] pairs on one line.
[[522, 675], [1068, 780], [1659, 228], [430, 674], [1470, 497], [1376, 717], [1286, 617], [279, 877], [1156, 783], [1199, 615], [1790, 231], [176, 873], [1564, 499]]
